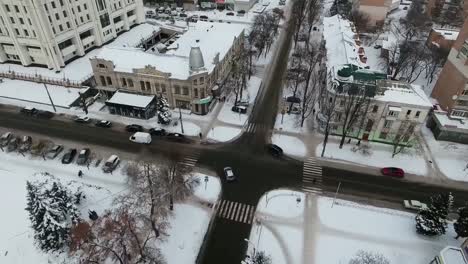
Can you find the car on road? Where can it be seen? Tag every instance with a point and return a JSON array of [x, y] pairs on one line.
[[45, 114], [82, 119], [241, 12], [83, 156], [414, 205], [177, 137], [25, 144], [229, 174], [141, 137], [69, 156], [239, 109], [13, 144], [54, 151], [229, 13], [37, 148], [393, 172], [29, 110], [203, 18], [103, 123], [274, 150], [111, 163], [157, 132], [134, 128], [5, 139]]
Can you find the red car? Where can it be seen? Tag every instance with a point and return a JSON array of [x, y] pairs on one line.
[[393, 172]]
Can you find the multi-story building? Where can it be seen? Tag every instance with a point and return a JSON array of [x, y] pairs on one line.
[[52, 32], [186, 72], [387, 110], [435, 8]]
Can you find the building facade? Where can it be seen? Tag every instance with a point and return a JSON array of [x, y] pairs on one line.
[[188, 75], [52, 32]]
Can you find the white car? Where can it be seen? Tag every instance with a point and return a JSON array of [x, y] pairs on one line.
[[229, 174], [82, 119], [414, 204], [111, 163], [141, 137]]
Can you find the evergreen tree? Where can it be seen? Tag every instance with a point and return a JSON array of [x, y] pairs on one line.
[[433, 220], [52, 212], [461, 226], [261, 258]]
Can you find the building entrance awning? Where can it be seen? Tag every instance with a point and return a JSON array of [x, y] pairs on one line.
[[205, 100]]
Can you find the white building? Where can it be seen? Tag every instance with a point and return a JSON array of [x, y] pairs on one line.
[[52, 32], [391, 108]]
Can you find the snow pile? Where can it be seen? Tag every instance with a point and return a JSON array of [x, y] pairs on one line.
[[223, 134]]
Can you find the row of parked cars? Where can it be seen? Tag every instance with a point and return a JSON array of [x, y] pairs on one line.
[[23, 144]]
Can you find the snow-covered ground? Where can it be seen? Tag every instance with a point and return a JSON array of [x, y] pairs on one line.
[[451, 158], [290, 123], [313, 230], [290, 145], [223, 133], [381, 156], [36, 92], [16, 242]]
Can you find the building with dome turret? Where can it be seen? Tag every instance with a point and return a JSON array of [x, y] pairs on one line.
[[188, 68]]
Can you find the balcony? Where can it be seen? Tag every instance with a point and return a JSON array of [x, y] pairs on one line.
[[88, 40], [68, 50]]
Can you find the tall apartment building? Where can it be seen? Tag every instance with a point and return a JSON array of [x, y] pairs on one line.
[[52, 32], [451, 89]]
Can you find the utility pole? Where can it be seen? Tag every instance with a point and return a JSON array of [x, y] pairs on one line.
[[336, 193], [180, 118], [50, 98]]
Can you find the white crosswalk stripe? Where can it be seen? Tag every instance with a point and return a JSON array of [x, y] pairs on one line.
[[312, 176], [253, 127], [191, 159], [235, 211]]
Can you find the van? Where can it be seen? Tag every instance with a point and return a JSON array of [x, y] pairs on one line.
[[111, 163], [141, 137]]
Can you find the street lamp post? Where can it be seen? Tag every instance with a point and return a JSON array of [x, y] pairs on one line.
[[253, 246]]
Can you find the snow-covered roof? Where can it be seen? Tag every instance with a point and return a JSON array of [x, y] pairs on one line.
[[402, 93], [446, 121], [447, 33], [129, 99], [213, 39], [339, 42], [453, 255], [133, 37], [389, 41]]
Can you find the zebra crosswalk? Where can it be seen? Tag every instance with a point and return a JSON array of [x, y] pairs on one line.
[[312, 176], [191, 159], [253, 127], [235, 211]]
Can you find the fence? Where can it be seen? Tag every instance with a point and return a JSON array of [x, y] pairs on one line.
[[47, 80]]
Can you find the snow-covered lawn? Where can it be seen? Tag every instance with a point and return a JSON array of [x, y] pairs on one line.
[[223, 133], [290, 145], [451, 158], [188, 223], [290, 123], [349, 227], [381, 156], [311, 230], [36, 92]]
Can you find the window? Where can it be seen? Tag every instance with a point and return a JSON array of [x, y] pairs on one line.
[[142, 85], [185, 91], [202, 80], [130, 82], [12, 20], [383, 135], [195, 82], [148, 86], [417, 114], [176, 89], [68, 24], [60, 27], [17, 32], [85, 6], [8, 8], [393, 113], [103, 80], [124, 82], [25, 10], [29, 21], [195, 92], [64, 13], [375, 108], [78, 8], [369, 125], [408, 112], [16, 9], [57, 16], [21, 21], [53, 4], [102, 66], [26, 33], [109, 80], [388, 123], [163, 87], [157, 86], [61, 2], [330, 100]]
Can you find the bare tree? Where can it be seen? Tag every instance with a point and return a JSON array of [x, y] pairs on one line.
[[314, 9], [298, 15], [326, 115], [360, 20], [366, 257], [404, 138], [297, 71]]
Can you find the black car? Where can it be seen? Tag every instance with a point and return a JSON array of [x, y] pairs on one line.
[[239, 109], [134, 128], [29, 111], [229, 13], [274, 150], [176, 137], [157, 132], [44, 114], [83, 156], [69, 156], [292, 99], [103, 123]]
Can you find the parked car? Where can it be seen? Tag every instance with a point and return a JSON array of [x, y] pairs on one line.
[[5, 139], [241, 12], [45, 114], [292, 99], [203, 18], [111, 163], [229, 13], [141, 137], [25, 144], [176, 137], [183, 15], [229, 174], [83, 156], [393, 172], [29, 110], [134, 128], [69, 156], [37, 148], [82, 119], [239, 109], [274, 150], [414, 204], [157, 132], [103, 123], [54, 151], [13, 144]]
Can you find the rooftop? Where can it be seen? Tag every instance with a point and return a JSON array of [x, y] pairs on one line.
[[213, 39], [448, 34], [401, 92], [453, 255], [129, 99]]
